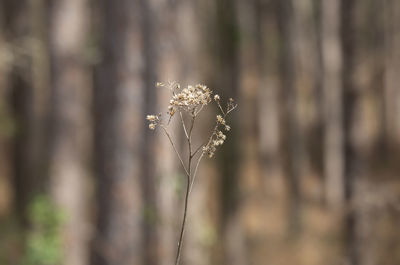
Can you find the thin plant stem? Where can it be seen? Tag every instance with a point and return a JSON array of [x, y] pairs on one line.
[[195, 172], [188, 184], [198, 149], [220, 108], [178, 253], [197, 113], [193, 110], [190, 179], [234, 107], [183, 125], [176, 151]]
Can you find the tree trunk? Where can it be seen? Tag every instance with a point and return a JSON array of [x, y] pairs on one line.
[[290, 127], [392, 70], [27, 45], [119, 105], [70, 121], [332, 98], [6, 127], [353, 164], [148, 178]]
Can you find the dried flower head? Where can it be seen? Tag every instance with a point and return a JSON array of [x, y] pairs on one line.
[[154, 120], [220, 120], [190, 98], [151, 117]]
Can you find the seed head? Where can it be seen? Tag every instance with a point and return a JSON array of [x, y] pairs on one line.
[[191, 99], [151, 117], [220, 120]]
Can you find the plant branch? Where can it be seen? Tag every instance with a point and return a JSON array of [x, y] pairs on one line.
[[190, 136], [198, 149], [197, 113], [219, 106], [176, 151], [183, 125], [234, 107], [195, 172]]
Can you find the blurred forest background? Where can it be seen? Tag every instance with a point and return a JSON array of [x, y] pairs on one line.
[[309, 174]]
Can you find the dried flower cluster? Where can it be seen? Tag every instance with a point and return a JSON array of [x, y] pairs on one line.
[[190, 101], [217, 137], [154, 120], [191, 97]]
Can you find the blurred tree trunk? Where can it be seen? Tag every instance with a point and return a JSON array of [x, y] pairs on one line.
[[332, 103], [6, 124], [29, 86], [119, 105], [40, 81], [148, 178], [218, 185], [70, 124], [23, 180], [268, 92], [290, 128], [304, 53], [316, 147], [353, 164], [244, 224], [228, 82], [392, 70]]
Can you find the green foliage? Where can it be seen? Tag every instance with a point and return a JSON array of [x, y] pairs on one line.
[[44, 242]]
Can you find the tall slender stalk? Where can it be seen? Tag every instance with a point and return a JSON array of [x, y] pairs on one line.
[[192, 100], [190, 157]]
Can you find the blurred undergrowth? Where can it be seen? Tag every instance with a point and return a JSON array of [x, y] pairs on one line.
[[44, 242], [38, 244]]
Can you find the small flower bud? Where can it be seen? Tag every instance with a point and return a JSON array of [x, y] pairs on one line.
[[220, 119], [151, 117]]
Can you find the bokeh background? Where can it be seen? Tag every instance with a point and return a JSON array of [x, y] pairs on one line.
[[309, 174]]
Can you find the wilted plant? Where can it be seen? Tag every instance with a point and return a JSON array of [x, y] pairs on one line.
[[190, 101]]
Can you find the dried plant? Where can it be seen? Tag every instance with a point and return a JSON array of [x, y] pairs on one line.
[[190, 101]]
